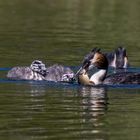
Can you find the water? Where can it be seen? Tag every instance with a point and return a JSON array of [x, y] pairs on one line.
[[63, 32], [47, 110]]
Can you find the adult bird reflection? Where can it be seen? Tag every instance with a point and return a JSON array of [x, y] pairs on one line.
[[94, 101]]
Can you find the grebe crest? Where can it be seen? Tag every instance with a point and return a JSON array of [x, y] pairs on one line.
[[90, 58], [99, 60]]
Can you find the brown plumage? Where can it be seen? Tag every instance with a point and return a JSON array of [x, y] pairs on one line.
[[99, 60]]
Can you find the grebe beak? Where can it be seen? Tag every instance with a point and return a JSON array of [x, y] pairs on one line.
[[86, 66], [79, 71], [88, 62]]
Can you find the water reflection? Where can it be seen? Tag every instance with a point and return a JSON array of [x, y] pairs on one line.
[[94, 101], [46, 110]]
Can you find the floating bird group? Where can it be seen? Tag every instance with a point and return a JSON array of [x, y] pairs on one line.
[[93, 70]]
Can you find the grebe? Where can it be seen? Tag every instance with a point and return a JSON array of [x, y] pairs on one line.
[[98, 60], [59, 73], [38, 71], [118, 58]]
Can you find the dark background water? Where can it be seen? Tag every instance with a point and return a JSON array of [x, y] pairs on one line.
[[63, 31]]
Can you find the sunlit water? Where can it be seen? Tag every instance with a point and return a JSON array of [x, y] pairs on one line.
[[63, 32]]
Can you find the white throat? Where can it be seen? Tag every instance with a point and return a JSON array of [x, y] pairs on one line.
[[113, 63], [99, 76], [125, 62]]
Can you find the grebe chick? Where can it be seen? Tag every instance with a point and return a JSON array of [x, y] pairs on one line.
[[36, 71], [99, 60], [118, 58], [59, 73]]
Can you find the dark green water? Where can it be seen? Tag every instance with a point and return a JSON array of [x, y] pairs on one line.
[[63, 31]]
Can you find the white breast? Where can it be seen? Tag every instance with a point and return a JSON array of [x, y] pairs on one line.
[[98, 77]]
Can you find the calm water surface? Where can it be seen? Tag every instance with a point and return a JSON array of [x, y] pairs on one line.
[[63, 32]]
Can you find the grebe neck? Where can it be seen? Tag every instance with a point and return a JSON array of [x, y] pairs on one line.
[[125, 62], [113, 64], [99, 76]]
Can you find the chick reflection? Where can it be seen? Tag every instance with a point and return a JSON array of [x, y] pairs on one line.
[[94, 101]]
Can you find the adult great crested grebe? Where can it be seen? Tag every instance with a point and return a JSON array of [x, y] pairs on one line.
[[38, 71], [118, 58], [98, 60]]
